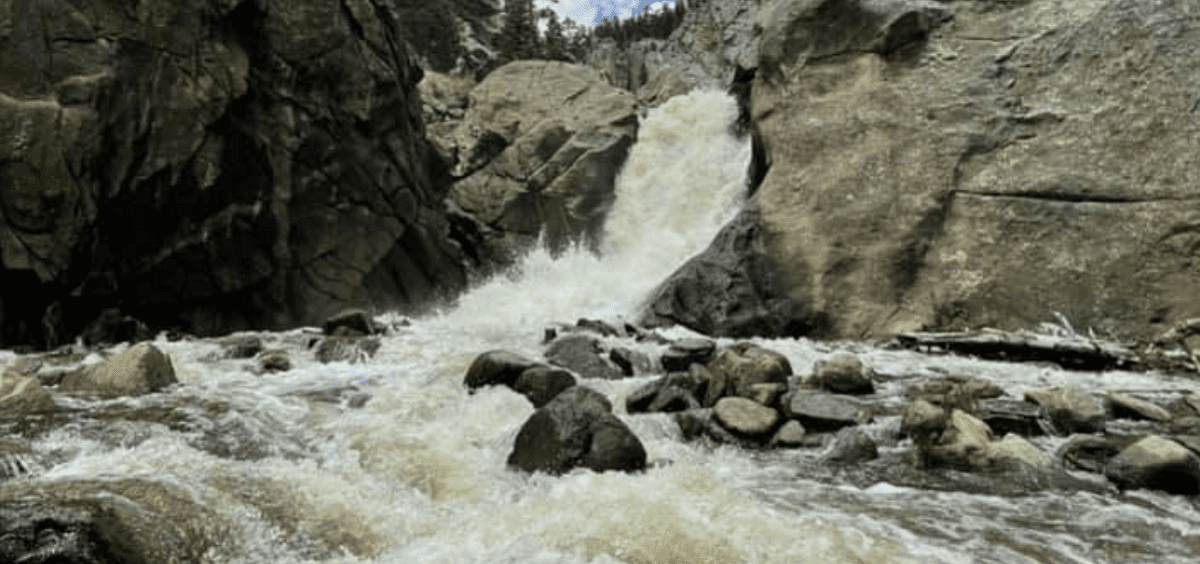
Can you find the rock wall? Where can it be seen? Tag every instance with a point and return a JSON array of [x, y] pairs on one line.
[[947, 165], [714, 40], [213, 165]]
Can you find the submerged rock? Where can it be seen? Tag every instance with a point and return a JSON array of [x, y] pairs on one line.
[[350, 323], [791, 434], [140, 369], [851, 445], [274, 361], [576, 429], [241, 346], [346, 349]]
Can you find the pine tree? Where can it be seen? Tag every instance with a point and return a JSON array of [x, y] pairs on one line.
[[518, 38], [555, 47]]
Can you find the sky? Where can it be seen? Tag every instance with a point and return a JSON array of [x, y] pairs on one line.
[[590, 12]]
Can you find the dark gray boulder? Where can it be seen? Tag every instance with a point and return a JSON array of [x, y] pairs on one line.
[[241, 346], [819, 411], [350, 322], [685, 352], [728, 290], [576, 429], [583, 355], [497, 367], [844, 373], [851, 445], [542, 383], [1156, 463]]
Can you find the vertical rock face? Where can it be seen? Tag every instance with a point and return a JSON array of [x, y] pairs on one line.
[[961, 164], [213, 164]]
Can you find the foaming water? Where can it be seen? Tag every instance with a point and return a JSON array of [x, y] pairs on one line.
[[293, 467]]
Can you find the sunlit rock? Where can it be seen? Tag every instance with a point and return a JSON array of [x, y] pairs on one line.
[[844, 373], [577, 428], [1070, 410], [1156, 463], [766, 393], [746, 417], [964, 443], [1125, 405], [1016, 448], [851, 445], [791, 434], [22, 395], [745, 364], [140, 369]]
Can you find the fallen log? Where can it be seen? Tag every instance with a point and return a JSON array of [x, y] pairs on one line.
[[1073, 352]]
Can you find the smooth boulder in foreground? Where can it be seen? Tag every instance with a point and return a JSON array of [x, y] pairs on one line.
[[576, 429], [141, 369]]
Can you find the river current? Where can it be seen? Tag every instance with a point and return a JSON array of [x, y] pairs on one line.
[[392, 461]]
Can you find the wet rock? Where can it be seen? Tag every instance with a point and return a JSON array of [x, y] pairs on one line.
[[1158, 464], [241, 346], [112, 327], [1016, 448], [1193, 400], [582, 355], [673, 392], [631, 362], [140, 369], [819, 411], [15, 459], [851, 445], [575, 429], [346, 349], [1192, 442], [497, 367], [767, 393], [693, 422], [1012, 416], [22, 395], [541, 384], [712, 384], [923, 422], [599, 327], [791, 434], [745, 417], [685, 352], [1070, 410], [964, 443], [350, 323], [844, 373], [274, 361], [948, 389], [1127, 406], [744, 364], [1092, 452]]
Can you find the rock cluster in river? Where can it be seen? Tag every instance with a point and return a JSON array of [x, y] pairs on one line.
[[747, 395]]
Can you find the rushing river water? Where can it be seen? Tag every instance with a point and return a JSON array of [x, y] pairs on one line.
[[392, 460]]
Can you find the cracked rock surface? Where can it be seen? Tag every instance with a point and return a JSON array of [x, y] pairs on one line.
[[213, 165], [952, 165]]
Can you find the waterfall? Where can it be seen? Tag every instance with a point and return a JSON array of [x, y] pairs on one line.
[[393, 461]]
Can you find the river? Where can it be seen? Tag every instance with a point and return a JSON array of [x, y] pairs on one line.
[[392, 461]]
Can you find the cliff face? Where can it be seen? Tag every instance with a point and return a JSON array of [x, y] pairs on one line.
[[714, 40], [948, 165], [212, 165]]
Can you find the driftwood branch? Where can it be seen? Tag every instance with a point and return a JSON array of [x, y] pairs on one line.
[[1073, 351]]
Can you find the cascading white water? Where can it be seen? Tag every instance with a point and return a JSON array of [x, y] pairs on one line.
[[281, 468]]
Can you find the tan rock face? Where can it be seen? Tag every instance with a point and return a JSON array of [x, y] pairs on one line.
[[138, 370], [952, 165], [539, 149]]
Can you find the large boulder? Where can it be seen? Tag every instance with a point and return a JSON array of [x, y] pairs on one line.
[[844, 373], [538, 152], [497, 367], [956, 164], [1070, 410], [22, 395], [140, 369], [1156, 463], [744, 365], [213, 166], [583, 355], [746, 417], [576, 429]]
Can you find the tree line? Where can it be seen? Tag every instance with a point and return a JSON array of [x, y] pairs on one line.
[[523, 37]]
